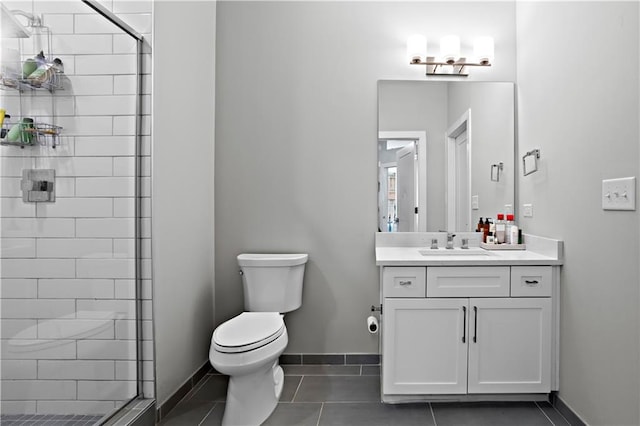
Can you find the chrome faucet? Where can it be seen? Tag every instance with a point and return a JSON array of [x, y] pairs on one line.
[[450, 240]]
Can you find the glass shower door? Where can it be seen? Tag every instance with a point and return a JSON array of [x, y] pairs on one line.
[[69, 214]]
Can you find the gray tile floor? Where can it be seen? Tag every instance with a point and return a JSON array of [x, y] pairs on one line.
[[48, 420], [349, 395]]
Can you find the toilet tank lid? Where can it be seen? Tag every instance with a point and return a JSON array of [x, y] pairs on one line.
[[258, 259]]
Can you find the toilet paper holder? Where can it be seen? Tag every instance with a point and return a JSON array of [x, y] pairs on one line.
[[372, 324]]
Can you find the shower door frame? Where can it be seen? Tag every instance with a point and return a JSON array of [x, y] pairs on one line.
[[107, 14]]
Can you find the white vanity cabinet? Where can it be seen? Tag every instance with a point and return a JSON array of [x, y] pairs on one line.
[[509, 345], [467, 330], [424, 347]]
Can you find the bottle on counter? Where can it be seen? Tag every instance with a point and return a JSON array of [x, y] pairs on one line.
[[480, 226], [513, 231], [485, 229], [500, 229], [507, 230]]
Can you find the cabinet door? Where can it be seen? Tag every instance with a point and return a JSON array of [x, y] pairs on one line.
[[510, 345], [424, 345]]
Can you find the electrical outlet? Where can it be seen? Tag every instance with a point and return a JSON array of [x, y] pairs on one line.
[[508, 209], [527, 210], [619, 194]]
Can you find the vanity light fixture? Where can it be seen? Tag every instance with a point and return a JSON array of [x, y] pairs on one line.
[[450, 62]]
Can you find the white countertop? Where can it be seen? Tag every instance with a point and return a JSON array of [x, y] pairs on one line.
[[410, 256], [540, 251]]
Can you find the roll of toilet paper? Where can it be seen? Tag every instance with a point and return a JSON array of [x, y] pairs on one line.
[[372, 324]]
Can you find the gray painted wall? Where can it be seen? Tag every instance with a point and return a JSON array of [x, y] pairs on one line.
[[585, 122], [296, 130], [183, 141]]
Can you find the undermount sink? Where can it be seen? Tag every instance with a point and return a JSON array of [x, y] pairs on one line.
[[454, 252]]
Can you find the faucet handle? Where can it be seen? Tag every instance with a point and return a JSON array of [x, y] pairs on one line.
[[434, 243], [465, 243]]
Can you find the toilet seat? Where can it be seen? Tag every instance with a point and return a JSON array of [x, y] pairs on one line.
[[248, 331]]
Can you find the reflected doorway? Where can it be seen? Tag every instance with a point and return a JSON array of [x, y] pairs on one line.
[[402, 181], [459, 174], [388, 208]]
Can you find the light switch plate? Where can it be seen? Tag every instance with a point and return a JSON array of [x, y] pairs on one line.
[[508, 209], [527, 210], [619, 194], [475, 204]]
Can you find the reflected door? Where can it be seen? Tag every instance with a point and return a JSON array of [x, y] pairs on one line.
[[459, 174], [462, 195], [407, 188], [387, 209]]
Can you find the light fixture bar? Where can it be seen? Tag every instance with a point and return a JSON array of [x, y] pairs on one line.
[[458, 68], [450, 62]]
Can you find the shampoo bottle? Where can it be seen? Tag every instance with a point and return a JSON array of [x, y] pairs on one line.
[[46, 73], [507, 230], [513, 231], [500, 229]]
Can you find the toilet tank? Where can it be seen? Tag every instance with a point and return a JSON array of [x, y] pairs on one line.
[[272, 282]]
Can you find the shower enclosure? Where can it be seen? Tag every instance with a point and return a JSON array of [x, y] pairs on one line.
[[75, 305]]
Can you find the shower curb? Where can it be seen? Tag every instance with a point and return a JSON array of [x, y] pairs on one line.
[[140, 412]]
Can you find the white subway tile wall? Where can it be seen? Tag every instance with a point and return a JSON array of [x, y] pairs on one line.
[[67, 287]]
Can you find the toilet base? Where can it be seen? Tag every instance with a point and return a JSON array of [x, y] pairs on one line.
[[252, 398]]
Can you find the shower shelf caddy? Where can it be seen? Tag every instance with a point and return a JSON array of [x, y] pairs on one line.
[[11, 79]]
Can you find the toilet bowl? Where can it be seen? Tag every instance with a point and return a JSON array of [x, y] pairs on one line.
[[247, 348]]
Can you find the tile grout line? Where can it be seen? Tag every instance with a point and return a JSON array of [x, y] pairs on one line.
[[208, 413], [297, 389], [187, 396], [320, 414], [543, 413], [195, 388], [561, 415], [330, 375], [433, 416]]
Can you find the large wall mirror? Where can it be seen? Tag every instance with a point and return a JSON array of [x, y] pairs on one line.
[[445, 154]]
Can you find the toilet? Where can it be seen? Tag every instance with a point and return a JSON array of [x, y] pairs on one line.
[[247, 347]]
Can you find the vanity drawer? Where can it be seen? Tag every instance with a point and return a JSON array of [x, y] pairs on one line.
[[468, 281], [403, 281], [531, 281]]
